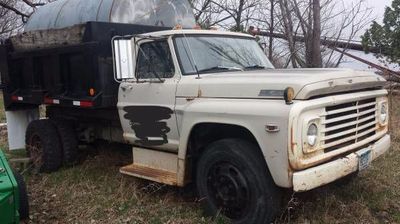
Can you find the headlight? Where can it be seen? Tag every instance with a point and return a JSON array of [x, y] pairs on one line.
[[312, 135], [383, 113]]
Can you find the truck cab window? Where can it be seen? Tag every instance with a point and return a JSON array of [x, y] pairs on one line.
[[155, 59]]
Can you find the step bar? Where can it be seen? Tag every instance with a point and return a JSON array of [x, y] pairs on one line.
[[161, 167]]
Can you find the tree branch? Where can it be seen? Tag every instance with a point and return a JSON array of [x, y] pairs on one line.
[[33, 5], [16, 11]]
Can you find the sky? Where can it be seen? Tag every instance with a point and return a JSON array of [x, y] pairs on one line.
[[378, 7]]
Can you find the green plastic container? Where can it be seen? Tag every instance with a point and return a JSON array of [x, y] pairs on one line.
[[9, 198]]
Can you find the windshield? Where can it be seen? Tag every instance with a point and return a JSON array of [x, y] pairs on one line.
[[219, 54]]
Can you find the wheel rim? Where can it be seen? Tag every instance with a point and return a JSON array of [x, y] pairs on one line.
[[35, 149], [229, 190]]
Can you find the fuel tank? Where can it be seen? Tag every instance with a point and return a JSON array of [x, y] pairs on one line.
[[66, 13]]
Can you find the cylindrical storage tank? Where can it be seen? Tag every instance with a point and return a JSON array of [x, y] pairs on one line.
[[66, 13]]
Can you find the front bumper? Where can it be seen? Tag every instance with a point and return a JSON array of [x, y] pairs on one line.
[[328, 172]]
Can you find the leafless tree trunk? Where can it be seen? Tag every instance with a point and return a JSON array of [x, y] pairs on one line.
[[288, 27], [238, 19], [271, 30], [308, 33], [316, 61]]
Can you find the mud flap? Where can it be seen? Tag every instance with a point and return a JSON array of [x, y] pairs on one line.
[[17, 122]]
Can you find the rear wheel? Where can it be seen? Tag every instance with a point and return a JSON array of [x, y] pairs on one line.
[[233, 180], [43, 146], [68, 140]]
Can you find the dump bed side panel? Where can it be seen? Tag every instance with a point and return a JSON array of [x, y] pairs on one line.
[[64, 74]]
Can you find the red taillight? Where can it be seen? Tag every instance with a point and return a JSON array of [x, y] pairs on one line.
[[17, 98], [48, 101], [51, 101], [83, 103], [86, 104]]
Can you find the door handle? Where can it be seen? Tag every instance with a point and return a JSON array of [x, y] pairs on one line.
[[127, 87]]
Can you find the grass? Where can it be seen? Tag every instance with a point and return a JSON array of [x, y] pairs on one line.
[[2, 113], [95, 192]]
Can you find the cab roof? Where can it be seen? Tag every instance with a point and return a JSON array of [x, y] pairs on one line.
[[196, 32]]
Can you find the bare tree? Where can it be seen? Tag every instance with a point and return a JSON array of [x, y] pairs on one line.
[[303, 18], [15, 13], [287, 19], [235, 15], [209, 13], [316, 57], [346, 26], [271, 29], [314, 20], [202, 11], [9, 21], [309, 19]]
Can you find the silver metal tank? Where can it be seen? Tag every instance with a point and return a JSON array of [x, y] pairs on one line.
[[65, 13]]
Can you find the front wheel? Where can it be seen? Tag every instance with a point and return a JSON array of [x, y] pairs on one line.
[[233, 180]]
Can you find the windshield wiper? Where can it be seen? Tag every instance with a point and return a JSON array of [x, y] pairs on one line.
[[255, 67], [220, 68]]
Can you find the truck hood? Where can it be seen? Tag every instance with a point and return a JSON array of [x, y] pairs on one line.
[[268, 84]]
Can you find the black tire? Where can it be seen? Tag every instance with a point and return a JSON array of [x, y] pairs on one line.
[[43, 146], [23, 196], [233, 180], [68, 140]]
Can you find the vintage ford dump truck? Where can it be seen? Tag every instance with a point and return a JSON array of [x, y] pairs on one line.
[[196, 106]]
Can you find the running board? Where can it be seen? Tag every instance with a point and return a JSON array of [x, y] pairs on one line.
[[153, 165]]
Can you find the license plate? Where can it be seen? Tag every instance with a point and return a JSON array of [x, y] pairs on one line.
[[364, 159]]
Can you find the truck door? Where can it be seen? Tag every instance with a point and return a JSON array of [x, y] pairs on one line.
[[147, 105]]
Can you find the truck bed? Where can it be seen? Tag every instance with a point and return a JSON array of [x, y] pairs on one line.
[[66, 72]]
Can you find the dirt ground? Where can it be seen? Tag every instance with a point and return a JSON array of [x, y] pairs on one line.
[[95, 192]]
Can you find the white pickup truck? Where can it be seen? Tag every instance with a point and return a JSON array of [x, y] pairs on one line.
[[208, 107]]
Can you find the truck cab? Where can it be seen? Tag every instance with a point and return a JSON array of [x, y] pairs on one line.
[[197, 105]]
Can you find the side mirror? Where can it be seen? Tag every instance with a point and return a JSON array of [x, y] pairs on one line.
[[123, 58]]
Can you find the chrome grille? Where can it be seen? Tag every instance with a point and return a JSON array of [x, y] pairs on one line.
[[348, 123]]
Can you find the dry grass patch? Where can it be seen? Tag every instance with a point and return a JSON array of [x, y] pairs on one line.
[[95, 192]]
